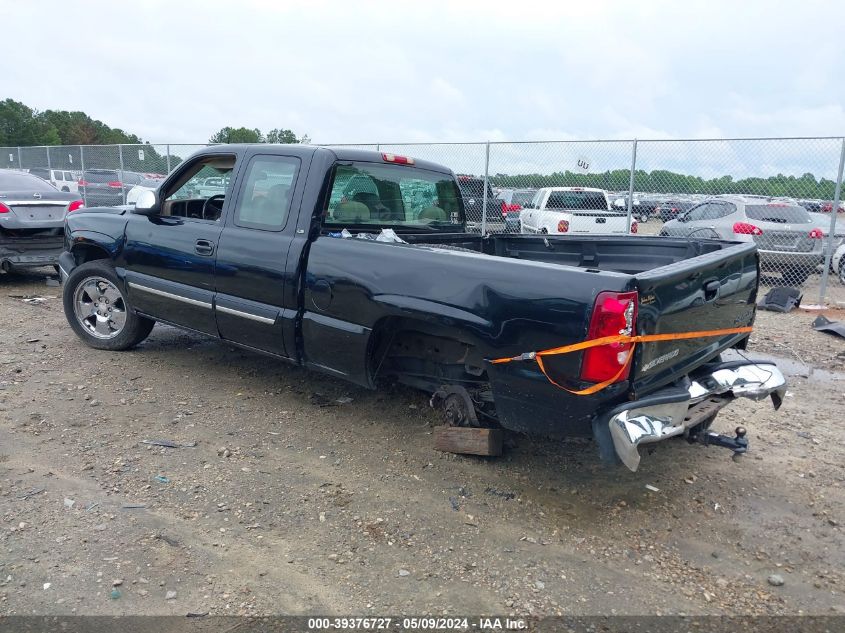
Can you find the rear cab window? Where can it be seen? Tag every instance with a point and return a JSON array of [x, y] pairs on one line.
[[392, 196], [577, 200]]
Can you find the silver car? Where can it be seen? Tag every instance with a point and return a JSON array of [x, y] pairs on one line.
[[789, 240]]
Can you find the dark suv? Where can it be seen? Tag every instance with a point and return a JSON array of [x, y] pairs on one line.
[[107, 187], [472, 192]]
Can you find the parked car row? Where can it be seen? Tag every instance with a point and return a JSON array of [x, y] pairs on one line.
[[98, 186]]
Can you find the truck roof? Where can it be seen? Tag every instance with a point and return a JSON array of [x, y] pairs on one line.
[[340, 153]]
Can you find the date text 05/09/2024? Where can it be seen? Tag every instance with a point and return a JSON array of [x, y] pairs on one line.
[[424, 623]]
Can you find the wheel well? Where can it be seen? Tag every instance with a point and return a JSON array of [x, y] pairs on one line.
[[426, 354], [88, 252]]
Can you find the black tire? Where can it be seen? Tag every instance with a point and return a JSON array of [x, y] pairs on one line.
[[842, 271], [99, 274]]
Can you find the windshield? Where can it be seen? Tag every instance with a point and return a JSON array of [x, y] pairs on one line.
[[19, 181], [583, 200], [393, 196], [780, 213]]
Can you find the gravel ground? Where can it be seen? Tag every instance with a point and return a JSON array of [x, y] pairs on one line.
[[284, 500]]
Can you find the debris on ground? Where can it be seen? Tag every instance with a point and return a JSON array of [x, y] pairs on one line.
[[31, 493], [781, 299], [823, 324], [776, 580], [169, 444], [490, 490], [33, 299]]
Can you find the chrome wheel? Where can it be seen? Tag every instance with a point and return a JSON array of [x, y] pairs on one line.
[[99, 307]]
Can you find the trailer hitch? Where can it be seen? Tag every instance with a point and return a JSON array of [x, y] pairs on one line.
[[738, 444]]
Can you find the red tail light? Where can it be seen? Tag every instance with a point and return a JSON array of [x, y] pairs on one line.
[[563, 226], [4, 208], [399, 160], [614, 314], [82, 183], [75, 205], [744, 228], [816, 234], [634, 227], [115, 184]]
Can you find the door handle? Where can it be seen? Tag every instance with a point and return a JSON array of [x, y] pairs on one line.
[[204, 247]]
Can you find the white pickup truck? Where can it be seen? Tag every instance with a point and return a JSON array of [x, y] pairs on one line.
[[556, 210]]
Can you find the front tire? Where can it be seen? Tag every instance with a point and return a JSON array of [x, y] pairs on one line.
[[842, 271], [97, 310]]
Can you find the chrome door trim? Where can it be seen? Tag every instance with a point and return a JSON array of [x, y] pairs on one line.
[[246, 315], [169, 295]]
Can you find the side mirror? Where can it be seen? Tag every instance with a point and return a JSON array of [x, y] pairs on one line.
[[147, 204]]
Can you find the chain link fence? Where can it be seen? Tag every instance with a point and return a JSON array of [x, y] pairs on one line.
[[784, 194]]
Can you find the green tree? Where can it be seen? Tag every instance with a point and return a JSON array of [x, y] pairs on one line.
[[237, 135], [18, 124], [281, 136]]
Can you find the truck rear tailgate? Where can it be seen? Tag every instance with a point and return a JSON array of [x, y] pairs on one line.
[[598, 222], [713, 291]]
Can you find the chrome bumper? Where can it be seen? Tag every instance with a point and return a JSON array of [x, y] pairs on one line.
[[644, 423]]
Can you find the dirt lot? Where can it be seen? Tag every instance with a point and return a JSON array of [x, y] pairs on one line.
[[293, 502]]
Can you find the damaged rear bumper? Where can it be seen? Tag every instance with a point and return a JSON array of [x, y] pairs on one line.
[[675, 410], [29, 253]]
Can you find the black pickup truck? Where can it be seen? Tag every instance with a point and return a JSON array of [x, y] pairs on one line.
[[358, 264]]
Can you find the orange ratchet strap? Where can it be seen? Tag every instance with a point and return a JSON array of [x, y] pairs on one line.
[[607, 340]]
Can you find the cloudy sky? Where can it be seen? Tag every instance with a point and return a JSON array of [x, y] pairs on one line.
[[434, 71]]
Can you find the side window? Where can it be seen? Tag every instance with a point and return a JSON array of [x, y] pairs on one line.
[[698, 213], [184, 196], [725, 209], [57, 175], [265, 200], [537, 199], [68, 176]]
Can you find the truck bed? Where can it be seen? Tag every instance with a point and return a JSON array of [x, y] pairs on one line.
[[617, 253], [683, 285]]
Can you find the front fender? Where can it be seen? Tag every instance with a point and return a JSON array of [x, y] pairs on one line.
[[110, 245]]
